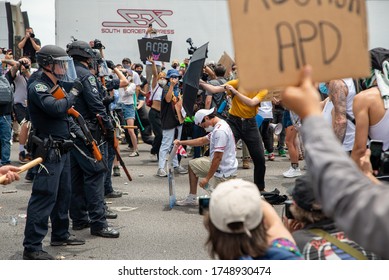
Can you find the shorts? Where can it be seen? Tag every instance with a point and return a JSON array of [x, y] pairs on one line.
[[128, 111], [286, 120], [200, 167], [20, 113]]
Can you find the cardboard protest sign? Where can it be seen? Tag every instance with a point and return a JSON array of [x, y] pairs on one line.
[[159, 49], [274, 39], [226, 61]]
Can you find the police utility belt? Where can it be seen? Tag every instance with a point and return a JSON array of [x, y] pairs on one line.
[[42, 146]]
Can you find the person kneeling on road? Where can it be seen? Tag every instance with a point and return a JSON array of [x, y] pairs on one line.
[[221, 165]]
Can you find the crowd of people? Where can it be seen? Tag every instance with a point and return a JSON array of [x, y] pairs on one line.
[[72, 105]]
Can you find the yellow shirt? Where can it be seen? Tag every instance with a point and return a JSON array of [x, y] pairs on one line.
[[241, 110]]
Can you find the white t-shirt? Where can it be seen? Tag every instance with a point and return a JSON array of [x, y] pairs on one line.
[[126, 95], [266, 110], [222, 140]]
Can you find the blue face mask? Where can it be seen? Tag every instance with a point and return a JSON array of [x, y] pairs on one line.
[[323, 88]]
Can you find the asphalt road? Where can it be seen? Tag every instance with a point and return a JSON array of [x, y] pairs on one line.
[[149, 230]]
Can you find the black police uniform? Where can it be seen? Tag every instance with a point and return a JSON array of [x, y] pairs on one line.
[[51, 189], [87, 203], [107, 148]]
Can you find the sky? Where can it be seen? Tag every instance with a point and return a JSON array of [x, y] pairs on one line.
[[41, 14]]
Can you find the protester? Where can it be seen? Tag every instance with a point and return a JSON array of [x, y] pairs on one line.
[[358, 205], [51, 189], [19, 74], [6, 119], [316, 235], [157, 84], [371, 114], [241, 225], [241, 119], [171, 120], [221, 165], [10, 172]]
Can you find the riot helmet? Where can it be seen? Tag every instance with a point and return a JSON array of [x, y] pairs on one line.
[[79, 49], [55, 60]]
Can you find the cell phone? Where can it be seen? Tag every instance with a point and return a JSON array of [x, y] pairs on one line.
[[375, 147]]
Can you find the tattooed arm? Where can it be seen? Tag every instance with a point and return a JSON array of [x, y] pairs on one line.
[[338, 93]]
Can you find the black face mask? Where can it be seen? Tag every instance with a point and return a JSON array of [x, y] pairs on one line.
[[139, 72]]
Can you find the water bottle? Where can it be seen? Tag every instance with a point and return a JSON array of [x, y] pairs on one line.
[[222, 107]]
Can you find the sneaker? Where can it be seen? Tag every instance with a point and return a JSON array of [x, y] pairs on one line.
[[190, 200], [180, 170], [271, 157], [116, 171], [153, 157], [24, 158], [282, 153], [291, 173], [71, 241], [37, 255], [266, 153], [161, 172], [134, 154]]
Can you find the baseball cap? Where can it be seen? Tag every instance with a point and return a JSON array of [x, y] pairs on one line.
[[303, 195], [234, 201], [172, 73], [200, 114]]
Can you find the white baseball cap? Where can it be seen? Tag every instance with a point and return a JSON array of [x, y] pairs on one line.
[[200, 114], [234, 201]]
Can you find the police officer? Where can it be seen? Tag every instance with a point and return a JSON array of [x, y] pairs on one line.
[[87, 204], [51, 189]]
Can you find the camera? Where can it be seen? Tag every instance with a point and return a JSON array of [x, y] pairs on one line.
[[32, 35], [378, 158], [288, 213], [97, 45], [203, 204], [25, 64], [3, 50], [192, 48]]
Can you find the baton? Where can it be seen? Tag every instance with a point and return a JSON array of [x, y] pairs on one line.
[[23, 168]]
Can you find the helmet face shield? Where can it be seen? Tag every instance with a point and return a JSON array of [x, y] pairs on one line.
[[63, 69]]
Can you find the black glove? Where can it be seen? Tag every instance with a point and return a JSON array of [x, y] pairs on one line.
[[110, 64], [110, 136], [77, 87]]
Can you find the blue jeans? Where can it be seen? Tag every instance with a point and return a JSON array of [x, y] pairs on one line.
[[5, 138], [168, 136], [247, 130]]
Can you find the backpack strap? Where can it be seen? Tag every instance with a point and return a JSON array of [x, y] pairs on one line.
[[345, 247]]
